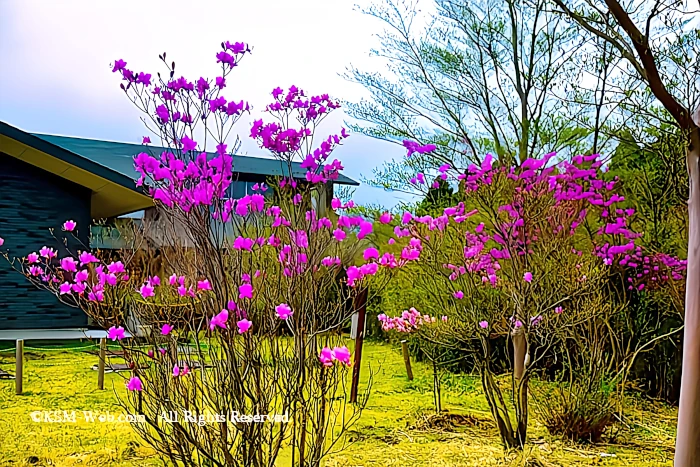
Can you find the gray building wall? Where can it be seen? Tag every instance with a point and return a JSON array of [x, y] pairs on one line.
[[32, 201]]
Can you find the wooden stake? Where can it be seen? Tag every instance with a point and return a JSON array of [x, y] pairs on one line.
[[361, 307], [407, 359], [19, 366], [101, 364]]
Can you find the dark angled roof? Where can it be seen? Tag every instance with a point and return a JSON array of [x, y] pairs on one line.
[[113, 192], [119, 158]]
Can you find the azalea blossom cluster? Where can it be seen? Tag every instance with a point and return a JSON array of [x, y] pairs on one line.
[[416, 148], [288, 143], [337, 354], [409, 321], [312, 108], [177, 105], [84, 277], [573, 192], [186, 184], [644, 271], [522, 214]]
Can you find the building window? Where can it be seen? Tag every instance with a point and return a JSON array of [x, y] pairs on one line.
[[239, 189]]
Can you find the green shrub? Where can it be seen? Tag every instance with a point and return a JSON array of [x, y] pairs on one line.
[[580, 411]]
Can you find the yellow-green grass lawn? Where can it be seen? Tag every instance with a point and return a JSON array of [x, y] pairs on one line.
[[389, 432]]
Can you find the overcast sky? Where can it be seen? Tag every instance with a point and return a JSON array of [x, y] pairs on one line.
[[56, 77]]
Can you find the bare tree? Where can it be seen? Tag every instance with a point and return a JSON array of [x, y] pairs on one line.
[[468, 81]]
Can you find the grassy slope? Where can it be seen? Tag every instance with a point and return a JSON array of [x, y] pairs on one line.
[[62, 379]]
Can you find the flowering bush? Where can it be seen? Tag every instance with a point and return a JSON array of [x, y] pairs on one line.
[[261, 284], [527, 255]]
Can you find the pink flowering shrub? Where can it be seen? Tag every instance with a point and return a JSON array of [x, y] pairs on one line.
[[528, 254], [261, 284], [411, 324]]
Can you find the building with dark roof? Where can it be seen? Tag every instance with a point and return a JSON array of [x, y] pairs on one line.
[[47, 179]]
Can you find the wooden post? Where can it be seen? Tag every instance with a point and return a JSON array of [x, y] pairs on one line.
[[360, 306], [407, 359], [101, 364], [19, 366]]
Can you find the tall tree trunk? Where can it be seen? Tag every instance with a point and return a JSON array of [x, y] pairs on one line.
[[520, 361], [688, 434], [437, 393], [519, 353]]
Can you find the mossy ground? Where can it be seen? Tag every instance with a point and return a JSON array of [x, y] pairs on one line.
[[388, 434]]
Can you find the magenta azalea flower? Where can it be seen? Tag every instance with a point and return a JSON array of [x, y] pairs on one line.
[[2, 241], [68, 264], [558, 310], [97, 296], [64, 288], [143, 78], [32, 258], [326, 356], [341, 354], [165, 330], [87, 257], [177, 371], [134, 384], [146, 290], [243, 326], [219, 320], [162, 113], [339, 234], [115, 333], [115, 268], [111, 279], [458, 295], [284, 311], [527, 277], [385, 218], [413, 147], [47, 252], [203, 285], [118, 65], [81, 276], [483, 324], [365, 229], [188, 144], [69, 226], [146, 140], [370, 253], [245, 291]]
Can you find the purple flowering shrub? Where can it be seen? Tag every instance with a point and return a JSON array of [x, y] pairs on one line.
[[261, 284], [531, 254]]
